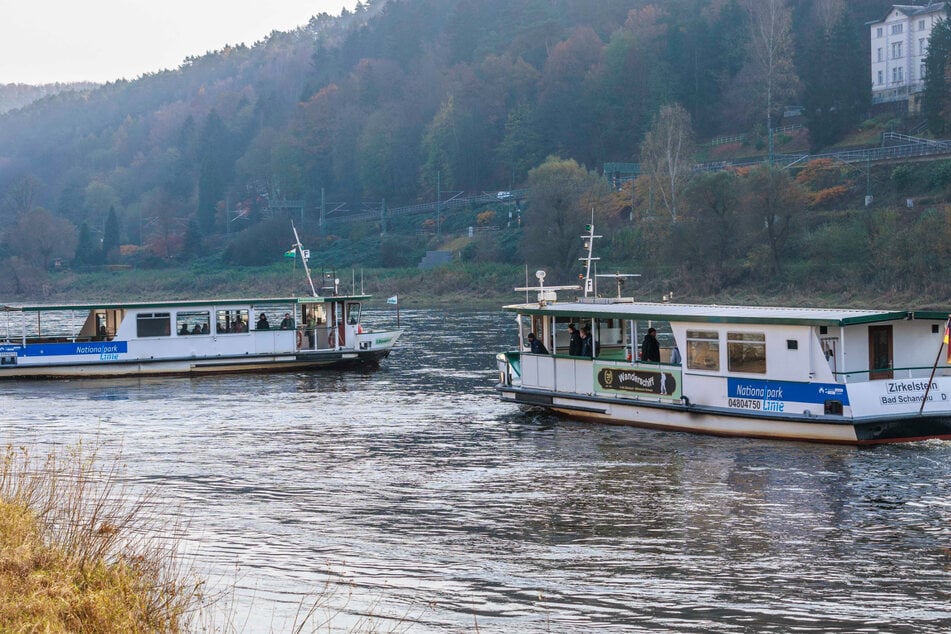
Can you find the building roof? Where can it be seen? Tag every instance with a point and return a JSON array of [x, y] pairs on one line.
[[912, 10]]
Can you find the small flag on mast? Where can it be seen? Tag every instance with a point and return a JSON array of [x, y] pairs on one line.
[[947, 338], [290, 254], [393, 300]]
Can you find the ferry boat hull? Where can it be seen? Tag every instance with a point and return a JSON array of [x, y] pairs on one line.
[[192, 366], [709, 420]]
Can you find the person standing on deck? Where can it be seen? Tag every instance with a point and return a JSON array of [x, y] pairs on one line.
[[311, 329], [574, 341], [650, 347], [587, 349]]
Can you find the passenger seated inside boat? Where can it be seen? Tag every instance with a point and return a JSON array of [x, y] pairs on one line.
[[287, 323], [184, 330], [263, 323], [196, 330], [536, 346]]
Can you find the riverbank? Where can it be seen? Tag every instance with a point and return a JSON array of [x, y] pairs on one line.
[[457, 285], [76, 553]]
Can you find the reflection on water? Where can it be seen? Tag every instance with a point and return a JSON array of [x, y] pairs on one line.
[[419, 496]]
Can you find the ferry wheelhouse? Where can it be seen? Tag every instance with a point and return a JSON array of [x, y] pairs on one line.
[[831, 375]]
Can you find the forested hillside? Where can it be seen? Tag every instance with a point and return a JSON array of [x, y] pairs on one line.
[[403, 98], [13, 96]]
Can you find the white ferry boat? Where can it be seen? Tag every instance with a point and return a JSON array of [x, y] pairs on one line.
[[189, 336], [839, 376]]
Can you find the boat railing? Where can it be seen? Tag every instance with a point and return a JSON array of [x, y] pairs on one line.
[[19, 340], [910, 372]]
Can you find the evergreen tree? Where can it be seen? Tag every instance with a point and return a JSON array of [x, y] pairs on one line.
[[87, 251], [110, 235], [192, 246], [836, 96], [214, 172], [935, 99]]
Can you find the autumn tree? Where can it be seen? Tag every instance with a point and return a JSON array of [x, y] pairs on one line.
[[768, 79], [712, 238], [18, 198], [522, 144], [826, 182], [42, 237], [564, 194], [667, 155], [564, 99], [770, 202], [633, 80]]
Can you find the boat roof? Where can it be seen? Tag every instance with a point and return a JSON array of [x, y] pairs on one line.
[[715, 313], [179, 303]]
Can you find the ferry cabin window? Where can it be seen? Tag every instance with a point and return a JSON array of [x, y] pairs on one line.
[[746, 352], [275, 315], [231, 321], [153, 325], [703, 350], [192, 323], [353, 313]]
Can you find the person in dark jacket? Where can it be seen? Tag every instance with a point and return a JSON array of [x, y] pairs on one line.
[[536, 346], [574, 341], [650, 347], [587, 349]]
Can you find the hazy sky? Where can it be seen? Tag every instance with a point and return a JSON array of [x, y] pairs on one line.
[[45, 41]]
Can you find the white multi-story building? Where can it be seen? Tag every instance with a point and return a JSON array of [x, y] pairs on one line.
[[899, 48]]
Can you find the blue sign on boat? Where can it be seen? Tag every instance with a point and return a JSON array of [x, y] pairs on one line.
[[102, 349], [791, 391]]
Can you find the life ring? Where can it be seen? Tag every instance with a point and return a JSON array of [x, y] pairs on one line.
[[300, 339], [359, 329]]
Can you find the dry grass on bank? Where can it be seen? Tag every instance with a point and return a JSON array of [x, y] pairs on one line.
[[78, 552]]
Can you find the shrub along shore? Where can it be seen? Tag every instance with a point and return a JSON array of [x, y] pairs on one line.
[[79, 552]]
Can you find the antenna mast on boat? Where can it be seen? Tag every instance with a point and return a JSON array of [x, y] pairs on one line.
[[589, 244], [300, 249], [619, 279]]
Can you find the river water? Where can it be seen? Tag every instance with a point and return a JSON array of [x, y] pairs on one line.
[[410, 499]]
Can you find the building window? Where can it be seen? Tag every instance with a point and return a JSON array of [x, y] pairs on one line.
[[921, 72], [896, 50], [703, 350], [881, 78], [921, 46], [897, 75], [880, 55], [878, 32], [897, 29], [921, 25], [746, 352]]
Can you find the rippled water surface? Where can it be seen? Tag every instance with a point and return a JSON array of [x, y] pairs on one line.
[[428, 506]]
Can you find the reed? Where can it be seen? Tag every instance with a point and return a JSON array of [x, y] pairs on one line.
[[79, 551]]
